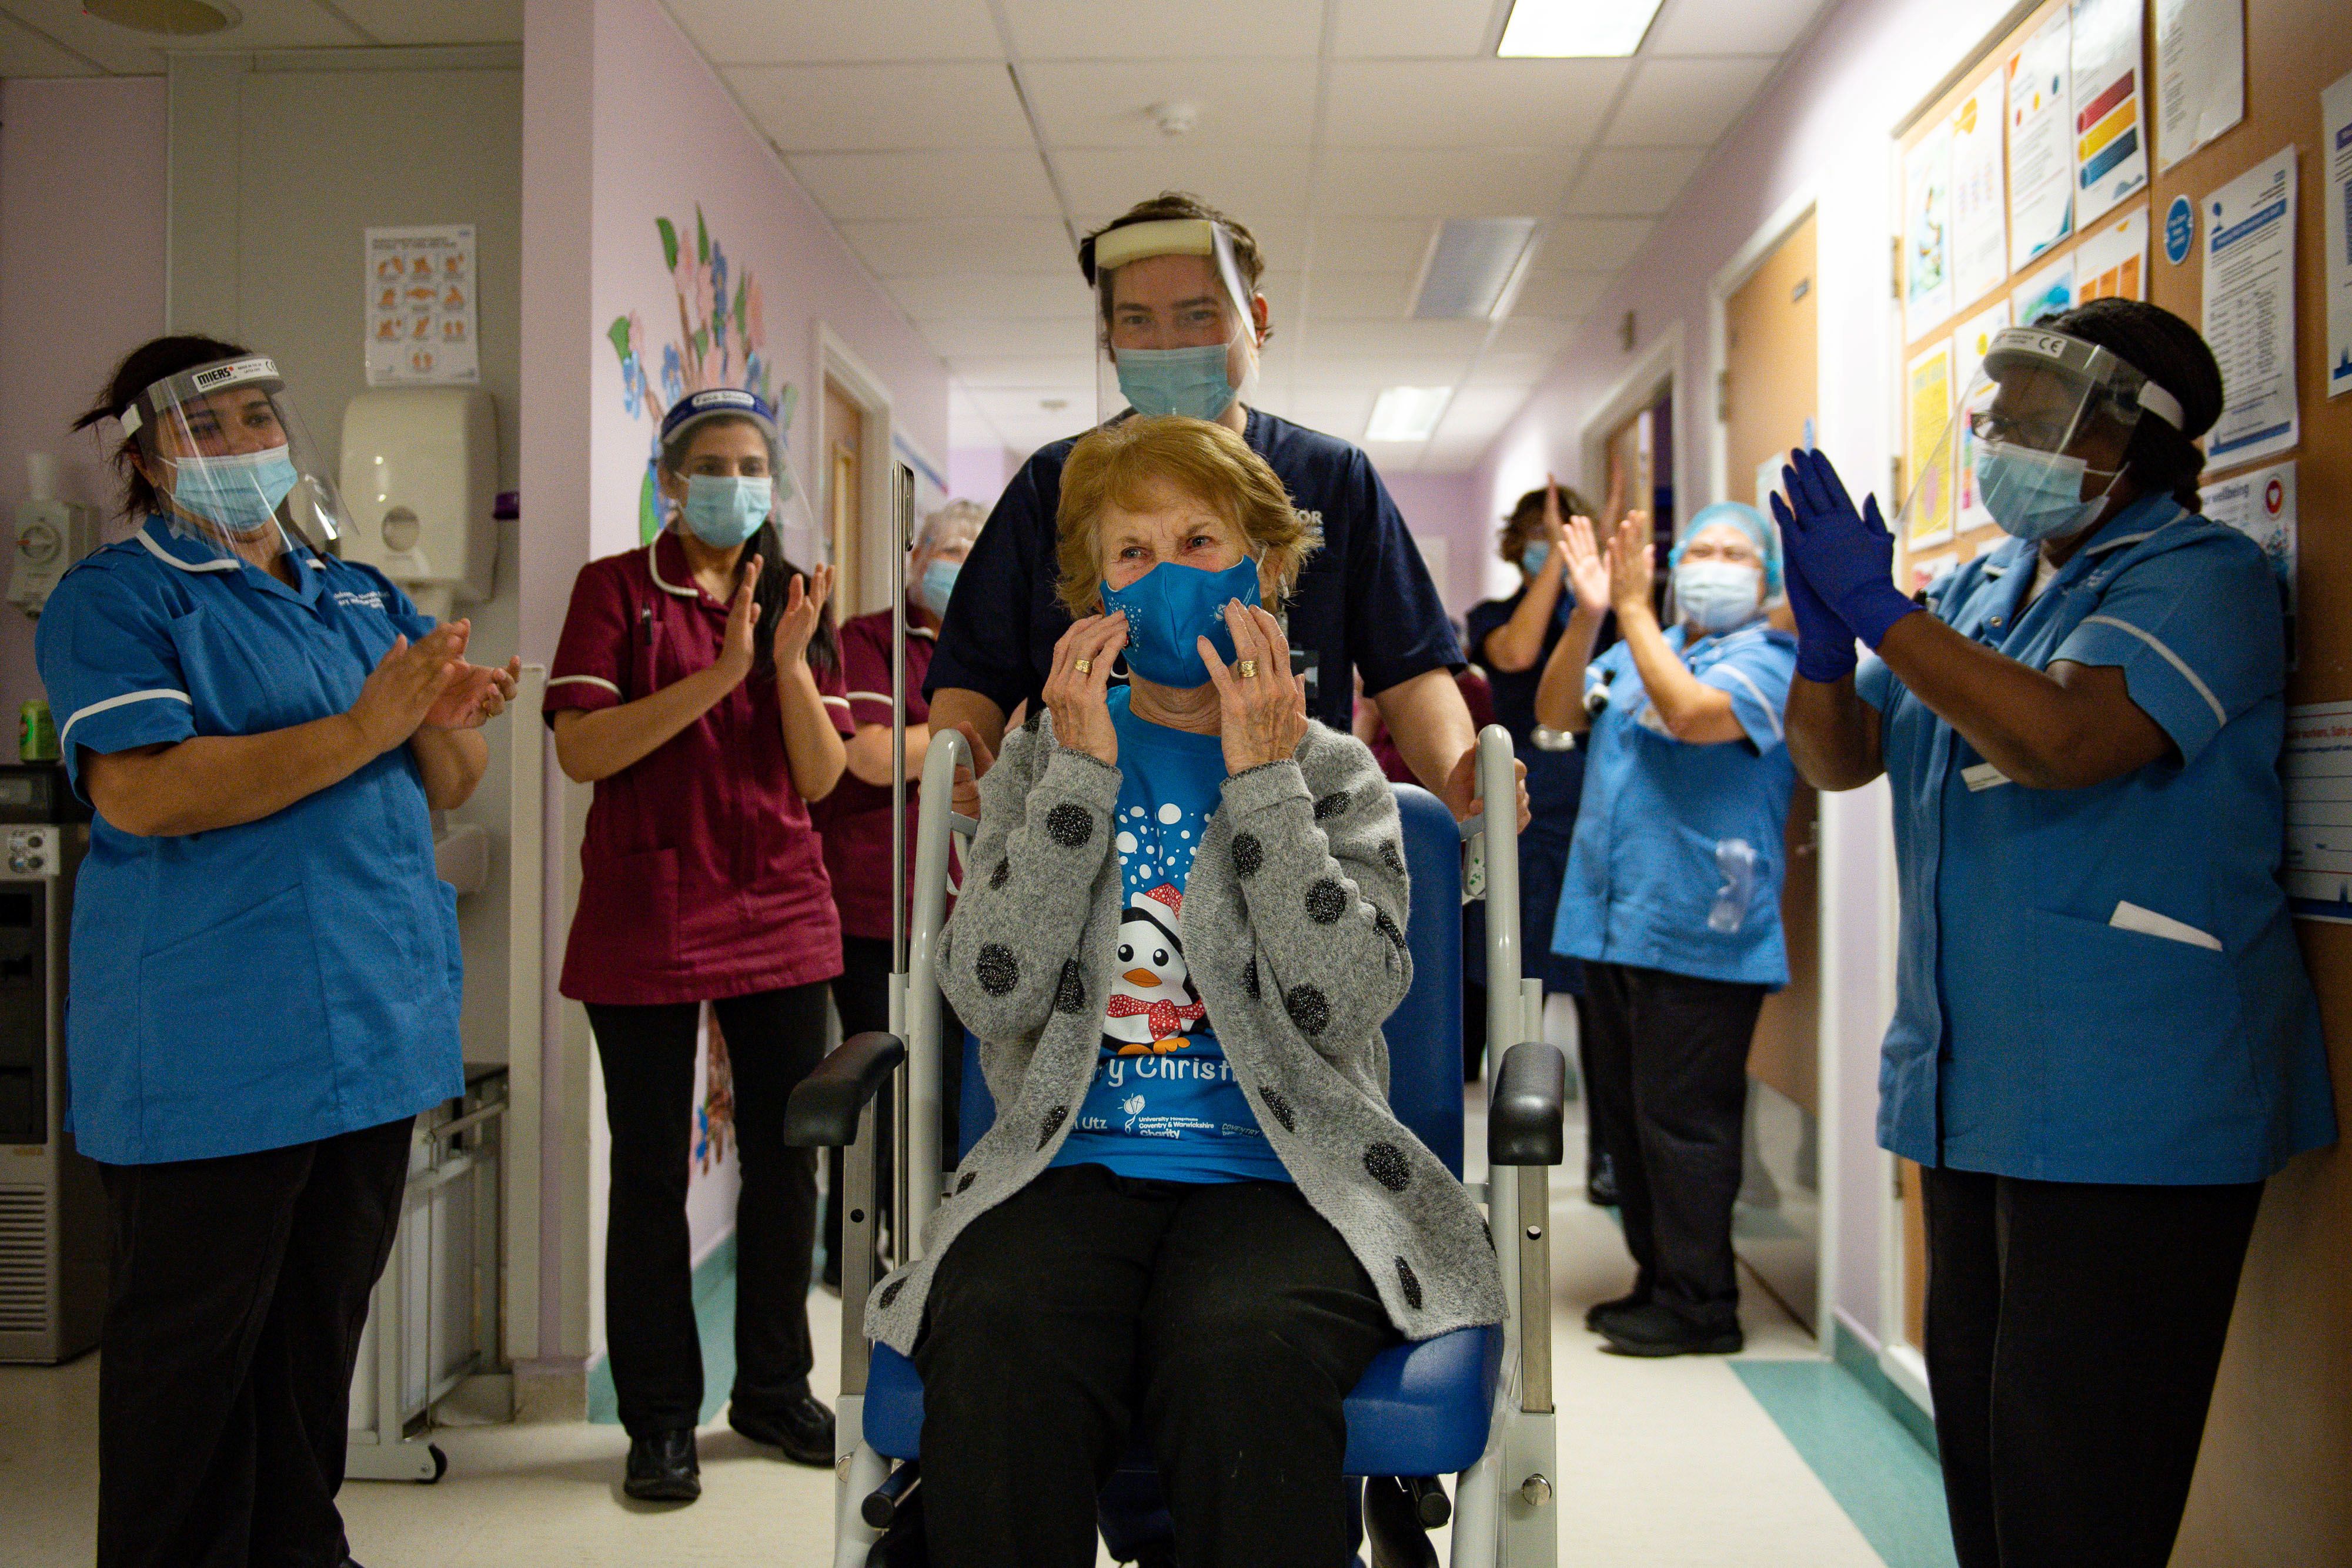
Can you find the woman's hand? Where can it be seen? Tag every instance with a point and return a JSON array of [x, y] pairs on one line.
[[1075, 696], [1588, 573], [736, 651], [477, 694], [406, 687], [1262, 714], [804, 605], [1632, 571]]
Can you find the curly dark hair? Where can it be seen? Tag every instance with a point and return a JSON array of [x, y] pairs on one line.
[[2168, 351], [1525, 520]]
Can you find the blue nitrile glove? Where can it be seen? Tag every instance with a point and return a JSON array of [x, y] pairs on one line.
[[1848, 557], [1824, 643]]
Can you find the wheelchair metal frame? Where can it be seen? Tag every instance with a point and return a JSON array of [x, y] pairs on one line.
[[1502, 1507]]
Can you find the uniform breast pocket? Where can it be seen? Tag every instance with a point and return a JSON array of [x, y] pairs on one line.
[[2141, 1035], [235, 1015]]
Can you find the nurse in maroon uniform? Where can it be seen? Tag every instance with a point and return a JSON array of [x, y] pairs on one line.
[[697, 685]]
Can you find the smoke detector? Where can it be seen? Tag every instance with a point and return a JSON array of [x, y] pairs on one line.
[[1174, 118]]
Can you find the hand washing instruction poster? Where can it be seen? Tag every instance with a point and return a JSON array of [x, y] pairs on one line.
[[2335, 158], [1979, 196], [420, 307], [2201, 74], [2260, 506], [2040, 145], [2110, 151], [2317, 766], [2250, 310]]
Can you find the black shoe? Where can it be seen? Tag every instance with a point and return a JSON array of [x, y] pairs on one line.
[[1601, 1182], [1656, 1330], [800, 1425], [1596, 1316], [663, 1468]]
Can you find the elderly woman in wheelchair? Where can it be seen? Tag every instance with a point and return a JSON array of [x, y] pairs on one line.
[[1195, 1220]]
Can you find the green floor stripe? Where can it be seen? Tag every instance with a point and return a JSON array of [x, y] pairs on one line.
[[714, 1323], [1884, 1480]]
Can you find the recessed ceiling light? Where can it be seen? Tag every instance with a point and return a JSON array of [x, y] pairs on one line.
[[174, 18], [1561, 29], [1408, 414]]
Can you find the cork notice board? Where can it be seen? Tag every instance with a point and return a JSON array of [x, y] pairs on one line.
[[2278, 1445]]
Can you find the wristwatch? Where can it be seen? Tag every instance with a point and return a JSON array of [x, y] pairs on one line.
[[1545, 738]]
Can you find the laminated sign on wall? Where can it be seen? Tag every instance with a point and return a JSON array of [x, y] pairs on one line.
[[420, 307]]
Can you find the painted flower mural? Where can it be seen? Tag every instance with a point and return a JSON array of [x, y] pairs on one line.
[[722, 341]]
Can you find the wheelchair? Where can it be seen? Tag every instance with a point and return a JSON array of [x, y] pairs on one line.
[[1476, 1403]]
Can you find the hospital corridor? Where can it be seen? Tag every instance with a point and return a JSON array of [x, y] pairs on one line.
[[1324, 783]]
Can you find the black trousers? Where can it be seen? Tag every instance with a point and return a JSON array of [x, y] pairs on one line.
[[2073, 1331], [1668, 1065], [774, 1039], [861, 997], [1224, 1322], [233, 1319]]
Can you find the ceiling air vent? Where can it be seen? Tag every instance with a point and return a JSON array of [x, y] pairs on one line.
[[1473, 266]]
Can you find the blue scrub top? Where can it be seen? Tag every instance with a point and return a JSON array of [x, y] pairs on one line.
[[270, 984], [2037, 1032], [1364, 600], [1656, 878]]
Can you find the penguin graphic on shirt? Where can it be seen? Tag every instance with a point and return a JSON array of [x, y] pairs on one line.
[[1153, 1006]]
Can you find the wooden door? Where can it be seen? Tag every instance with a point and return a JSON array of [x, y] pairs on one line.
[[844, 468]]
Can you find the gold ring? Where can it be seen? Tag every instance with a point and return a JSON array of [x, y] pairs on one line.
[[1085, 666], [1247, 669]]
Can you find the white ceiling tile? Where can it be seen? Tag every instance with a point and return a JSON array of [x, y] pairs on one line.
[[1591, 244], [1318, 370], [1239, 103], [25, 53], [1342, 411], [977, 371], [1630, 180], [1382, 183], [1531, 335], [1243, 181], [1371, 244], [263, 25], [762, 32], [1359, 296], [1418, 29], [875, 108], [1685, 103], [1560, 294], [1469, 103], [1018, 297], [1165, 29], [969, 339], [1511, 368], [935, 247], [1479, 411], [438, 21], [1395, 457], [1729, 26], [1387, 340], [990, 183]]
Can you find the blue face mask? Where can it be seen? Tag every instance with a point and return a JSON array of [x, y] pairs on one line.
[[725, 510], [1189, 382], [1171, 606], [239, 493], [939, 581], [1717, 595], [1532, 559], [2034, 494]]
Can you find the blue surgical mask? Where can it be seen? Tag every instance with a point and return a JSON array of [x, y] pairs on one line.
[[1171, 606], [939, 581], [239, 492], [2034, 494], [1717, 595], [1532, 559], [1189, 382], [725, 510]]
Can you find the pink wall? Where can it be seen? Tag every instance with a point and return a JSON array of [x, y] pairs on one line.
[[82, 218], [979, 473], [1444, 514]]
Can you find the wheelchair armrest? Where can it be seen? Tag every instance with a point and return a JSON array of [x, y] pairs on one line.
[[825, 1105], [1523, 1115]]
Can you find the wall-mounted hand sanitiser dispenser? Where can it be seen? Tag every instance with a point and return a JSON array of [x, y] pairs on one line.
[[419, 474]]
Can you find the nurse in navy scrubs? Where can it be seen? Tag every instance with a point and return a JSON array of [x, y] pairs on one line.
[[265, 967], [2103, 1040]]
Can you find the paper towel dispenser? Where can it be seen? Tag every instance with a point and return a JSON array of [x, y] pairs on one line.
[[420, 473]]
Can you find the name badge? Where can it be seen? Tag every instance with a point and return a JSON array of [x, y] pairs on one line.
[[1983, 775]]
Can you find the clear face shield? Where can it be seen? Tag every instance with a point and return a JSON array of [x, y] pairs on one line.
[[731, 475], [1174, 332], [2037, 438], [232, 468]]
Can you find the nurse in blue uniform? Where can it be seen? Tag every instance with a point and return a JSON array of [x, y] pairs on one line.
[[265, 967], [2104, 1037]]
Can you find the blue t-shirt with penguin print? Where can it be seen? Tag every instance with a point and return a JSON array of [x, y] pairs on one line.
[[1165, 1103]]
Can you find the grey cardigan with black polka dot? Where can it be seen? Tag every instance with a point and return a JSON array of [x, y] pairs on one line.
[[1292, 927]]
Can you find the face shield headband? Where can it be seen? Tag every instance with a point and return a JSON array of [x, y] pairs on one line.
[[230, 459]]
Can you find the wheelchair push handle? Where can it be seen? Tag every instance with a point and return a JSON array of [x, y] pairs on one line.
[[1523, 1114], [824, 1108]]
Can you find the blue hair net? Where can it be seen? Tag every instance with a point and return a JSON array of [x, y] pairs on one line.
[[1748, 520]]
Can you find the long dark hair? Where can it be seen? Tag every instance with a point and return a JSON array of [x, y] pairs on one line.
[[776, 573], [2168, 351], [142, 367]]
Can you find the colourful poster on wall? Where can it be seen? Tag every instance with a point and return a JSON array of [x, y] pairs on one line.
[[2113, 263], [1979, 195], [2049, 292], [1929, 402], [1927, 233], [2110, 148], [1968, 347], [2259, 503], [420, 317], [2040, 144]]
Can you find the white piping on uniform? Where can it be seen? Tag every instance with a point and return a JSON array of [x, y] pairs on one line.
[[1757, 691], [2220, 714], [843, 701], [584, 681], [2103, 545], [163, 554], [883, 697], [652, 570], [151, 695]]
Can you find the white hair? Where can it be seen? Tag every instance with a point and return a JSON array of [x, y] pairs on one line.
[[958, 520]]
